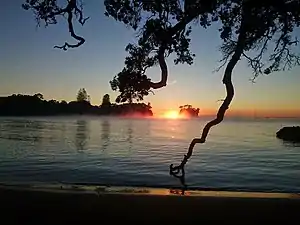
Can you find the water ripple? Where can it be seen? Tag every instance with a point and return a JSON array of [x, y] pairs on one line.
[[238, 155]]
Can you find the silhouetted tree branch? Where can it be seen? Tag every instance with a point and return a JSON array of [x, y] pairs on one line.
[[164, 70], [258, 25], [48, 10], [161, 29], [80, 40], [225, 105]]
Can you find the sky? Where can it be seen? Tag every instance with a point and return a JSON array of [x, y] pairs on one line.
[[29, 64]]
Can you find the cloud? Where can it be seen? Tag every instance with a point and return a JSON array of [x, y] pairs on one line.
[[172, 82]]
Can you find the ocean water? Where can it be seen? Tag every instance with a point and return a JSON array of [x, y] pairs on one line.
[[239, 154]]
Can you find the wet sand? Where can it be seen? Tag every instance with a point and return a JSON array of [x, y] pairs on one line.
[[90, 205]]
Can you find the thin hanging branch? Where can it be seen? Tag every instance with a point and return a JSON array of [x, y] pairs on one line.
[[69, 9], [80, 40], [166, 37], [47, 11], [79, 12], [164, 70], [225, 105]]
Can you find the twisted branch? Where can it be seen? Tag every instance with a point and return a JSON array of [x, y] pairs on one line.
[[225, 105], [164, 70], [81, 40], [79, 12], [161, 52], [69, 9]]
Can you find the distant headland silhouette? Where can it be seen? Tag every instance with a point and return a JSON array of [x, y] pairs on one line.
[[35, 105]]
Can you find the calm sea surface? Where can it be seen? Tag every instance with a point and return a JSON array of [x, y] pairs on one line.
[[238, 155]]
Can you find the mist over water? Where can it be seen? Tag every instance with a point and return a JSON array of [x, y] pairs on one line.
[[239, 154]]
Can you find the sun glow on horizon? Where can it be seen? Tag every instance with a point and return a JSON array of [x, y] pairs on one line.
[[171, 114]]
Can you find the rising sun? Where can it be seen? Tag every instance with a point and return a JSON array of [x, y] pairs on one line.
[[171, 114]]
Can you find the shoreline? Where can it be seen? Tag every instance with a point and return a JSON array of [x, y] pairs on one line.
[[83, 203], [140, 190]]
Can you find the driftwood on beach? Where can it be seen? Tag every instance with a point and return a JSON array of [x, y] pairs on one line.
[[289, 134]]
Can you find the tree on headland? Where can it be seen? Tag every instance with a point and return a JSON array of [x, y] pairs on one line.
[[188, 110], [106, 101], [260, 32], [39, 96], [82, 95]]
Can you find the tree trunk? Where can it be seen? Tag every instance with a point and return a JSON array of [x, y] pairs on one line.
[[225, 105]]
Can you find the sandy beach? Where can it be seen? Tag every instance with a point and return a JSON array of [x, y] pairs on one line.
[[83, 204]]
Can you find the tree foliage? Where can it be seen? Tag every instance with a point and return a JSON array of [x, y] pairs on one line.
[[39, 95], [82, 95], [106, 100], [164, 27], [162, 30], [269, 37], [189, 110]]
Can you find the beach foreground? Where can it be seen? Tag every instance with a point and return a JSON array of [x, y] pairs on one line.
[[62, 204]]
